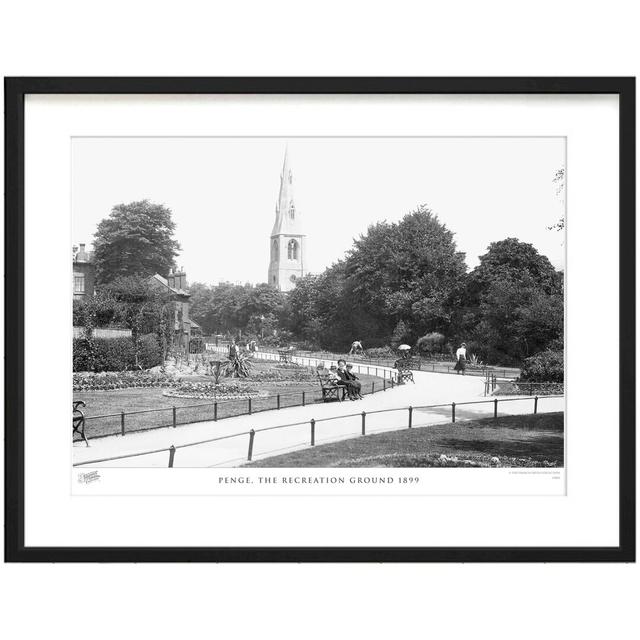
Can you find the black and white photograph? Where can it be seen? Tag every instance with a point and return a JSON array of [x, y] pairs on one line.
[[318, 302], [381, 316]]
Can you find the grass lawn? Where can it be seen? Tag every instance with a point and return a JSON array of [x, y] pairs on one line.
[[101, 403], [510, 441]]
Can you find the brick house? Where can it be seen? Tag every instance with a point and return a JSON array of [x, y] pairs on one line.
[[176, 284], [84, 273]]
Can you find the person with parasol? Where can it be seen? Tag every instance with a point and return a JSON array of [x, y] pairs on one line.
[[404, 350]]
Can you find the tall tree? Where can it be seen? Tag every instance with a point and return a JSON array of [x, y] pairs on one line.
[[512, 305], [135, 240], [406, 271]]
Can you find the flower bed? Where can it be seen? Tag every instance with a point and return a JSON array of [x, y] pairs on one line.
[[108, 381], [209, 390], [288, 375]]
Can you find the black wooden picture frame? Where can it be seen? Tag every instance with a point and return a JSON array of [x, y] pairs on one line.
[[15, 91]]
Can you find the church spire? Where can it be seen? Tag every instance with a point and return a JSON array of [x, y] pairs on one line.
[[288, 259], [287, 216]]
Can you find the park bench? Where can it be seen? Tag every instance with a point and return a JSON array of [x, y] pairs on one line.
[[330, 389], [78, 420], [406, 367]]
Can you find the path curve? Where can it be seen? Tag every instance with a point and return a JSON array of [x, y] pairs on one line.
[[429, 389]]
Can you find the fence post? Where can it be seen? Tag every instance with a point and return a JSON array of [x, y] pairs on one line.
[[453, 412], [410, 417], [495, 408], [278, 401], [303, 399], [252, 435], [172, 454], [384, 384], [392, 382], [174, 418], [249, 399], [215, 411], [364, 417], [122, 422], [313, 432], [535, 405], [373, 387]]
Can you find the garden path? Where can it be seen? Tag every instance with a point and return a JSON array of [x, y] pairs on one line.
[[429, 389]]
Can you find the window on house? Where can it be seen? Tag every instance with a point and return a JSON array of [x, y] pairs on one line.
[[292, 250], [78, 283]]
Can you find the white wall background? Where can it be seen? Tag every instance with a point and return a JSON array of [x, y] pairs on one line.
[[329, 38]]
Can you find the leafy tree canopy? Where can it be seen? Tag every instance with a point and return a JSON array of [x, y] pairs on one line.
[[516, 261], [415, 266], [227, 308], [135, 240]]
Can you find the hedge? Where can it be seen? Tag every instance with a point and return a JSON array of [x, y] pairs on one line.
[[546, 366], [115, 354]]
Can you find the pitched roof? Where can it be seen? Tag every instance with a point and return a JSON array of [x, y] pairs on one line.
[[165, 283]]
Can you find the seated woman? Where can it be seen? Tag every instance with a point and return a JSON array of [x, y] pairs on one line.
[[332, 374]]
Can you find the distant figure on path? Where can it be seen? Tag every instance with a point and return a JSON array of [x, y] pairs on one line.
[[356, 347], [461, 357], [233, 349]]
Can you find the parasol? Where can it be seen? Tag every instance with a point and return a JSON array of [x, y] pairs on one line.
[[404, 347]]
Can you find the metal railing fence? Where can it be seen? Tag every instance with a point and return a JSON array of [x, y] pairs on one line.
[[311, 424], [124, 422], [434, 367]]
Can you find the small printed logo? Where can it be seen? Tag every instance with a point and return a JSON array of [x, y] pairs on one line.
[[90, 476]]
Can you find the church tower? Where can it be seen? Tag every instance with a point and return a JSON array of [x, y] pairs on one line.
[[288, 243]]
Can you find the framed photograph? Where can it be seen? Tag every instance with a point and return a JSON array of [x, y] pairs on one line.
[[320, 319]]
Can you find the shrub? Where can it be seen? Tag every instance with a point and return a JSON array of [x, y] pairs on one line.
[[547, 366], [381, 352], [237, 366], [115, 354], [150, 352], [430, 343]]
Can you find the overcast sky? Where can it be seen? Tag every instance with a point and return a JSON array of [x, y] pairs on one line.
[[222, 192]]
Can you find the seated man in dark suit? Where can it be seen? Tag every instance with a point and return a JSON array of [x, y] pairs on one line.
[[349, 380]]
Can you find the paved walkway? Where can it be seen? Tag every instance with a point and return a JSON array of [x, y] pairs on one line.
[[429, 389]]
